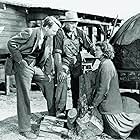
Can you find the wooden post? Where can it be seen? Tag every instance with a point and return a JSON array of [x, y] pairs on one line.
[[98, 34], [72, 115], [7, 84], [90, 32]]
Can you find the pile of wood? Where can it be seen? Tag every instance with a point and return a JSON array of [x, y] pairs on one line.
[[52, 125], [82, 123]]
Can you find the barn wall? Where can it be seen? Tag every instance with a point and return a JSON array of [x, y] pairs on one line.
[[13, 19], [41, 13]]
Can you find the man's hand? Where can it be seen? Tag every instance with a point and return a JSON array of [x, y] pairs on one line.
[[74, 59], [61, 76], [23, 63], [50, 77]]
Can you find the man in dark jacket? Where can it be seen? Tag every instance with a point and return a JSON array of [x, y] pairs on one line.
[[68, 43], [31, 51]]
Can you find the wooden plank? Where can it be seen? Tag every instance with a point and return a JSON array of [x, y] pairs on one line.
[[4, 50], [51, 128], [8, 33], [54, 119], [4, 41], [7, 36], [13, 22], [14, 10], [54, 129], [53, 124], [10, 27], [9, 16]]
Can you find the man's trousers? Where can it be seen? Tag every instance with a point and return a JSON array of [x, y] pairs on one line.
[[23, 77], [61, 93]]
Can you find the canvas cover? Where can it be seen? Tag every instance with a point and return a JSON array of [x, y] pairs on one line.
[[126, 42]]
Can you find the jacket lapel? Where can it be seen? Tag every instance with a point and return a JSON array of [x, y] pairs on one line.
[[37, 36], [47, 49]]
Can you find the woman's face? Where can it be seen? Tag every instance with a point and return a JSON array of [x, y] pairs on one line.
[[98, 52]]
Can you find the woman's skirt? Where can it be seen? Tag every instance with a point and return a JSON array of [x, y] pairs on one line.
[[120, 124]]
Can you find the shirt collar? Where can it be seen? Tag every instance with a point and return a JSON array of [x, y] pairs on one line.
[[102, 58], [74, 33]]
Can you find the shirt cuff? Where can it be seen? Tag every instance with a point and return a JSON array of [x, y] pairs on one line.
[[58, 51], [65, 68]]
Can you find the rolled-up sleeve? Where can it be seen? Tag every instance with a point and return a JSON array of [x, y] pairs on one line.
[[16, 41], [58, 42], [58, 49]]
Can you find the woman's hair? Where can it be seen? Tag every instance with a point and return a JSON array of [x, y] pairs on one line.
[[50, 20], [107, 49]]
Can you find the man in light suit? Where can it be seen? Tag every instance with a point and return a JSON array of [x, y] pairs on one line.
[[31, 51]]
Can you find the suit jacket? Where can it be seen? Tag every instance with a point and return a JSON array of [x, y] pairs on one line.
[[25, 43]]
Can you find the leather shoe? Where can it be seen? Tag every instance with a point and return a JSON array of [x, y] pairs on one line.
[[29, 135]]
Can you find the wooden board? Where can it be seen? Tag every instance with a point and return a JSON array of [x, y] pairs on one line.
[[13, 19], [52, 125]]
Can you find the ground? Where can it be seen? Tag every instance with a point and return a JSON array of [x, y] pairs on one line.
[[8, 116], [8, 113]]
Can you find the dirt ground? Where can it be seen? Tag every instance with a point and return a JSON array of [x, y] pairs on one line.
[[8, 117], [8, 113]]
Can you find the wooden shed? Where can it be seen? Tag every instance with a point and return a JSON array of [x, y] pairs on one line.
[[12, 20], [18, 14]]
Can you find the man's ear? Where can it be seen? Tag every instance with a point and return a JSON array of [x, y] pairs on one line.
[[46, 28], [63, 24]]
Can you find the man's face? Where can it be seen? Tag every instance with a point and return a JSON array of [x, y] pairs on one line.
[[51, 31], [71, 25]]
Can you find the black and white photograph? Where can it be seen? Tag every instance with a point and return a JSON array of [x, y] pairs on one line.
[[69, 70]]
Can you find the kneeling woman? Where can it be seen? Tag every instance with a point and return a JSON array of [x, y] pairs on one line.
[[108, 98]]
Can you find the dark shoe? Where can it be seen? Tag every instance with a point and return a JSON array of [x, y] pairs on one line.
[[29, 135]]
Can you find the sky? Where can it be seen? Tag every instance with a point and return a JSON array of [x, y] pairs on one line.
[[111, 8]]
